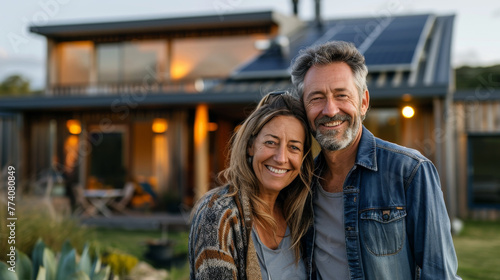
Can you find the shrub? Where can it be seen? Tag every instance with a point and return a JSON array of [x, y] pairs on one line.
[[121, 264], [35, 221], [45, 266]]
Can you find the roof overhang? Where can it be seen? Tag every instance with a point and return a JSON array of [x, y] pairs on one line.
[[72, 30], [123, 101], [477, 95], [249, 95]]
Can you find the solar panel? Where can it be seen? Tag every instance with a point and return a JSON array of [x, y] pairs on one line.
[[383, 41], [387, 41], [271, 60], [398, 41]]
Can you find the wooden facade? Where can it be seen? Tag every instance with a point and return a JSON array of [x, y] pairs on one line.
[[475, 115]]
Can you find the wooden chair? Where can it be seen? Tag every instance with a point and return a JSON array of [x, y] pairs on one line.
[[82, 204], [128, 193]]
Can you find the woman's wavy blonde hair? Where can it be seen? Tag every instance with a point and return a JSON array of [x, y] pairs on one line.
[[295, 198]]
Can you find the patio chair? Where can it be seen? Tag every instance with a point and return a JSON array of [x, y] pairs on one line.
[[82, 204], [128, 193]]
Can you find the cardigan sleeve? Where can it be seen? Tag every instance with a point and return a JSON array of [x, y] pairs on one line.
[[215, 244]]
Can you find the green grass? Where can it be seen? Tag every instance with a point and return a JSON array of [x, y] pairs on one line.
[[133, 242], [478, 251], [477, 247]]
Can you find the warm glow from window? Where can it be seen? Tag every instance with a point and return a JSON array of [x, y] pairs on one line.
[[408, 112], [179, 70], [160, 125], [73, 65], [74, 126]]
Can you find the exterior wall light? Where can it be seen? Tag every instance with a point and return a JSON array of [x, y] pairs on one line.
[[74, 127], [159, 125], [408, 112]]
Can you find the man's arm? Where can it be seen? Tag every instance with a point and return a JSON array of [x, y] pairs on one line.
[[428, 225]]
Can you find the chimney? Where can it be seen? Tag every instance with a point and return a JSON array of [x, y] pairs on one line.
[[317, 13], [295, 4]]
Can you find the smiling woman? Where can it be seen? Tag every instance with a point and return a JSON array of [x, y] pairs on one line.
[[251, 226], [277, 154]]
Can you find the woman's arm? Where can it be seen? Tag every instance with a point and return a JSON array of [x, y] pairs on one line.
[[215, 243]]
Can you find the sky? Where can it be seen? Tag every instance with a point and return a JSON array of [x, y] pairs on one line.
[[476, 39]]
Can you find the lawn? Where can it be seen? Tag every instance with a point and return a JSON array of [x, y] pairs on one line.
[[478, 248], [478, 251]]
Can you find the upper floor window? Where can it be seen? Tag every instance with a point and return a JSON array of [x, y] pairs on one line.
[[209, 57], [74, 62], [131, 62], [87, 63]]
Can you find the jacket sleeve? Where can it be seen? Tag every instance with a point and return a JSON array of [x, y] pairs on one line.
[[428, 227], [212, 249]]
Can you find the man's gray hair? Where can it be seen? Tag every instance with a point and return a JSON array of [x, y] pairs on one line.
[[330, 52]]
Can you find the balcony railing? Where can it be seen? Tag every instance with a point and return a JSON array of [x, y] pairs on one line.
[[181, 86]]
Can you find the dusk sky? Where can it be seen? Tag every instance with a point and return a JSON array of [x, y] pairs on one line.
[[475, 40]]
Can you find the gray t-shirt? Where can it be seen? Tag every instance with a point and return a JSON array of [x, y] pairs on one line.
[[280, 263], [330, 254]]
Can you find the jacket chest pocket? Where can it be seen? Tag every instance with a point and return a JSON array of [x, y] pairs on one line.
[[383, 230]]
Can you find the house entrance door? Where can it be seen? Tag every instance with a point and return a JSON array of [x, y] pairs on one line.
[[107, 161]]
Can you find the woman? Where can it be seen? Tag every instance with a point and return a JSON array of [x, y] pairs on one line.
[[250, 228]]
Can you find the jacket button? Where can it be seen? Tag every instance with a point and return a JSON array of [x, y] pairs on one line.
[[385, 217]]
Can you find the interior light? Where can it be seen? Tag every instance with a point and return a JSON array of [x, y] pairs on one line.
[[74, 127], [212, 126], [159, 125], [408, 112]]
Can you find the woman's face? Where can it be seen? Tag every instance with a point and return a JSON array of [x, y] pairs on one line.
[[277, 153]]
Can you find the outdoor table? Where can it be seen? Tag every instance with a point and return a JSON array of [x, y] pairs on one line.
[[101, 198]]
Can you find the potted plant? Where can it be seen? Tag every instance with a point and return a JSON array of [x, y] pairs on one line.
[[160, 250]]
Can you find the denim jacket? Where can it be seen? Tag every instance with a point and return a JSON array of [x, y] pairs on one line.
[[396, 223]]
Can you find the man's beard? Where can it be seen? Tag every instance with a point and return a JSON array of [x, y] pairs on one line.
[[328, 140]]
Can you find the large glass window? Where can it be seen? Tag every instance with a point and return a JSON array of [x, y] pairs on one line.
[[74, 62], [144, 60], [108, 62], [484, 175], [384, 123], [131, 62], [210, 57]]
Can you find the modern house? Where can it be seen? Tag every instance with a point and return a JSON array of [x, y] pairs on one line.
[[157, 100]]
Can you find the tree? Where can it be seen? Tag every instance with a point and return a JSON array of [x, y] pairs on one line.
[[14, 85], [473, 77]]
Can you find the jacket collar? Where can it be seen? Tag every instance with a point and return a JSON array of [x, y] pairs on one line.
[[366, 155], [367, 151]]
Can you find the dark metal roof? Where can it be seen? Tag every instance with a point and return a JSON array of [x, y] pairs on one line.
[[481, 94], [230, 92], [155, 25], [402, 52]]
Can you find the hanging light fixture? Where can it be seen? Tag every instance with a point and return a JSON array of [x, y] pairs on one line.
[[159, 125], [74, 126]]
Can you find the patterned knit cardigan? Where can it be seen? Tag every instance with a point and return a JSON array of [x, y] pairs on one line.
[[220, 244]]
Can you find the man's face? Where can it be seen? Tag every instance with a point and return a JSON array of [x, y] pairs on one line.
[[333, 106]]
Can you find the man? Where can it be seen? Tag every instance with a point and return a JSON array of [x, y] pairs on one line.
[[379, 211]]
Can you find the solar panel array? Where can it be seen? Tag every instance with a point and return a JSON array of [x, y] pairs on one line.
[[385, 41]]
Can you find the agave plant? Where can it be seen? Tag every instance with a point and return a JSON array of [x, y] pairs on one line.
[[45, 266]]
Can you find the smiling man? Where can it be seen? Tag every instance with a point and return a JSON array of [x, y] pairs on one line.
[[379, 211]]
